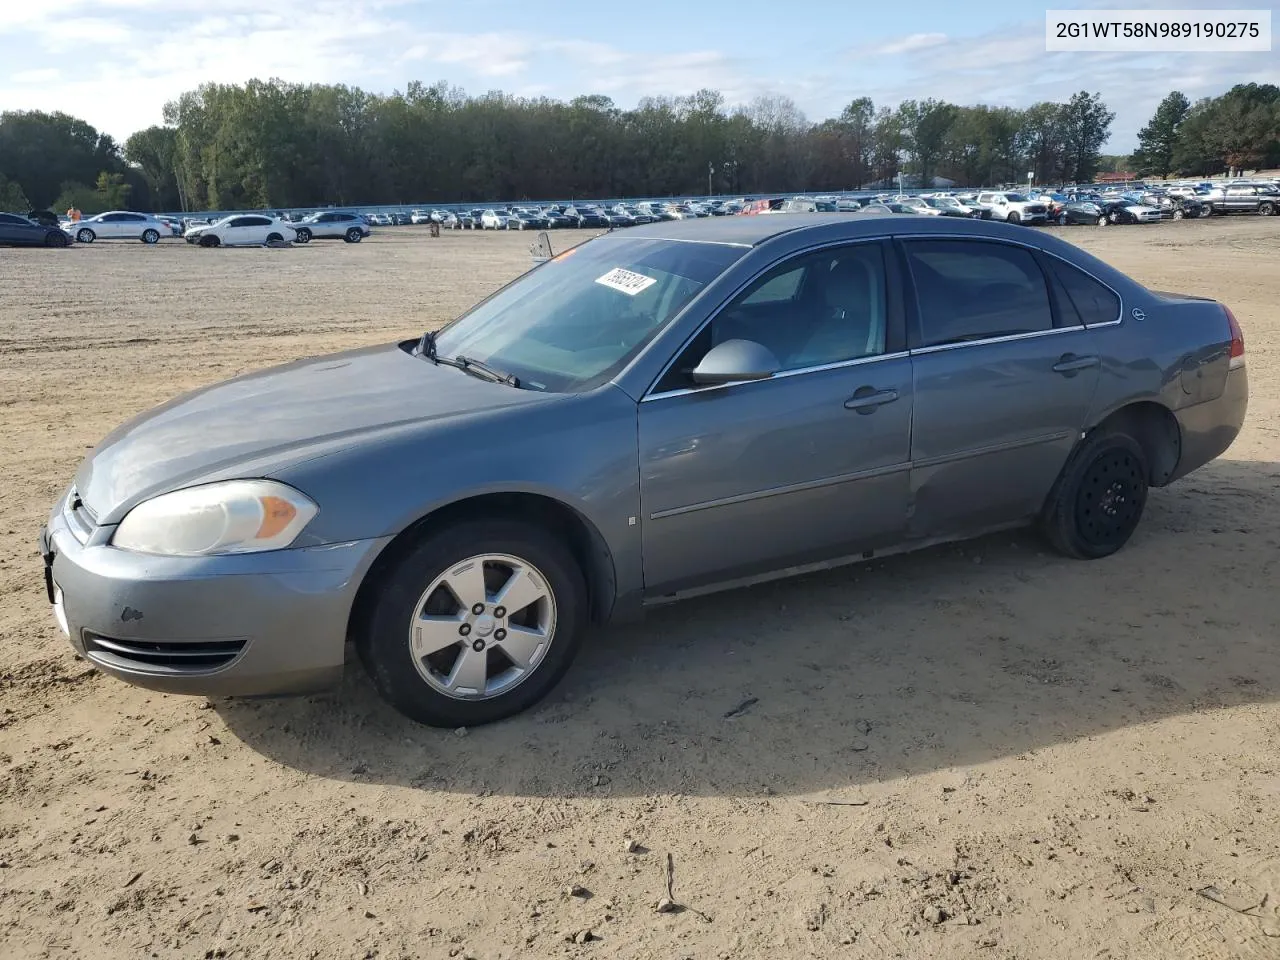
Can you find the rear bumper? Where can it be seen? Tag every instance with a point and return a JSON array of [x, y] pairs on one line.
[[1209, 428], [251, 625]]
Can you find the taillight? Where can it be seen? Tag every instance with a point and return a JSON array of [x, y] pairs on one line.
[[1237, 339]]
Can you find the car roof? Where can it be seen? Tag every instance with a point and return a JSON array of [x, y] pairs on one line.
[[749, 231]]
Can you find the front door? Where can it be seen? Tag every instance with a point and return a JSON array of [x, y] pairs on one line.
[[1003, 382], [807, 465]]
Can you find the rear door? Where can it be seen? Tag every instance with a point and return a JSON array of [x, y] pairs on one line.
[[1003, 382]]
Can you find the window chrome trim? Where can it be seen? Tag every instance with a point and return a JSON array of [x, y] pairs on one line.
[[793, 254], [938, 348], [801, 487], [780, 375]]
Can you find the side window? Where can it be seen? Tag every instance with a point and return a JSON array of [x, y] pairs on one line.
[[239, 222], [113, 218], [778, 288], [6, 218], [257, 222], [1082, 297], [828, 307], [974, 290]]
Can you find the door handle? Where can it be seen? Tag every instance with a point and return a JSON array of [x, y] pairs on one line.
[[867, 399], [1069, 364]]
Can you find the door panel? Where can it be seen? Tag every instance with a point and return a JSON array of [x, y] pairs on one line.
[[758, 476], [994, 423]]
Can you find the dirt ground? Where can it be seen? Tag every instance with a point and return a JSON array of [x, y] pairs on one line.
[[1057, 755]]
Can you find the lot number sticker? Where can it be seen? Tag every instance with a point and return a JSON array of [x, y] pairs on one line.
[[626, 281]]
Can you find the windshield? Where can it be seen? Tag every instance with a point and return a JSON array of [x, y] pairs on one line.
[[578, 319], [1015, 197]]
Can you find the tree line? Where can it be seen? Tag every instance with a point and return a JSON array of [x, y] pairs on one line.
[[269, 144]]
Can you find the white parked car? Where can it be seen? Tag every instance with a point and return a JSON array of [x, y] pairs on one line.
[[243, 230], [1014, 207], [493, 220], [119, 225], [419, 216], [331, 225]]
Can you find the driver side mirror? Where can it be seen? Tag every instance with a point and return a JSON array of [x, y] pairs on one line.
[[735, 361]]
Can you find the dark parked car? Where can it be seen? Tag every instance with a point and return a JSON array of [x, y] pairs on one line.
[[670, 410], [1083, 211], [582, 217], [19, 231], [46, 218], [1243, 198]]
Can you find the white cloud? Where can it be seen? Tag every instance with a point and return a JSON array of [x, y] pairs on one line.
[[911, 42]]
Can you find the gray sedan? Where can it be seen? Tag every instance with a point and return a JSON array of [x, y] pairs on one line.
[[688, 406]]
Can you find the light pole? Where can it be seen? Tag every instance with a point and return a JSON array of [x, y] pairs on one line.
[[711, 168]]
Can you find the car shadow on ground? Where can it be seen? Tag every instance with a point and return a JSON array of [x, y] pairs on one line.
[[949, 657]]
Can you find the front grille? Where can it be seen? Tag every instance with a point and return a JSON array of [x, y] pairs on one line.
[[1035, 208], [160, 655]]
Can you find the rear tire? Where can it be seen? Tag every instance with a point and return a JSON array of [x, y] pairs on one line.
[[387, 637], [1179, 213], [274, 238], [150, 236], [1098, 500], [353, 235], [1102, 221], [1266, 209]]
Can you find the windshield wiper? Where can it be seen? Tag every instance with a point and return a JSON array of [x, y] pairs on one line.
[[498, 376]]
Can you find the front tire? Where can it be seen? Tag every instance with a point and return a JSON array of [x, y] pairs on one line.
[[1179, 213], [209, 241], [56, 239], [442, 645], [303, 235], [1102, 221], [1099, 497], [85, 235], [1013, 218]]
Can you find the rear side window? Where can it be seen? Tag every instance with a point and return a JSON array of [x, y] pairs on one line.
[[973, 290], [1082, 299]]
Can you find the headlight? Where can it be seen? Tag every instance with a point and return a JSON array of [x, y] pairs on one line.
[[236, 516]]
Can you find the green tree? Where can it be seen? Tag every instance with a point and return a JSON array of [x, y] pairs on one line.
[[12, 199], [1086, 124], [1157, 140], [112, 191], [925, 126], [84, 198], [154, 152]]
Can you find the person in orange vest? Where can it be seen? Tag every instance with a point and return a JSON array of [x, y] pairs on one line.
[[74, 214]]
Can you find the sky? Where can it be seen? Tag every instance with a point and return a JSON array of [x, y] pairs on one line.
[[115, 63]]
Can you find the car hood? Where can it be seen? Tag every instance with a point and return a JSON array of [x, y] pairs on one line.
[[261, 422]]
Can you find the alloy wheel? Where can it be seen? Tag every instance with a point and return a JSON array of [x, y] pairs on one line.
[[482, 627]]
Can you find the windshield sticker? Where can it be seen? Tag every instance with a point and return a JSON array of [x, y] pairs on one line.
[[626, 281]]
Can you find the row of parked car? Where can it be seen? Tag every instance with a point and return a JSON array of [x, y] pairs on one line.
[[1095, 205]]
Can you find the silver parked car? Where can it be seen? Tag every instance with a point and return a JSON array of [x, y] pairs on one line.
[[119, 225], [331, 225], [657, 413]]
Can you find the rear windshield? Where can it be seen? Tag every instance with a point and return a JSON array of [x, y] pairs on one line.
[[575, 321]]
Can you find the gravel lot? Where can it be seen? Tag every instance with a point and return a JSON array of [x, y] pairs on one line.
[[1056, 755]]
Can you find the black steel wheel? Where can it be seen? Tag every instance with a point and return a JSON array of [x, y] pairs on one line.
[[1099, 498]]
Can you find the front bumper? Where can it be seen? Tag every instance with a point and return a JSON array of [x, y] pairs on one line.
[[262, 624]]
